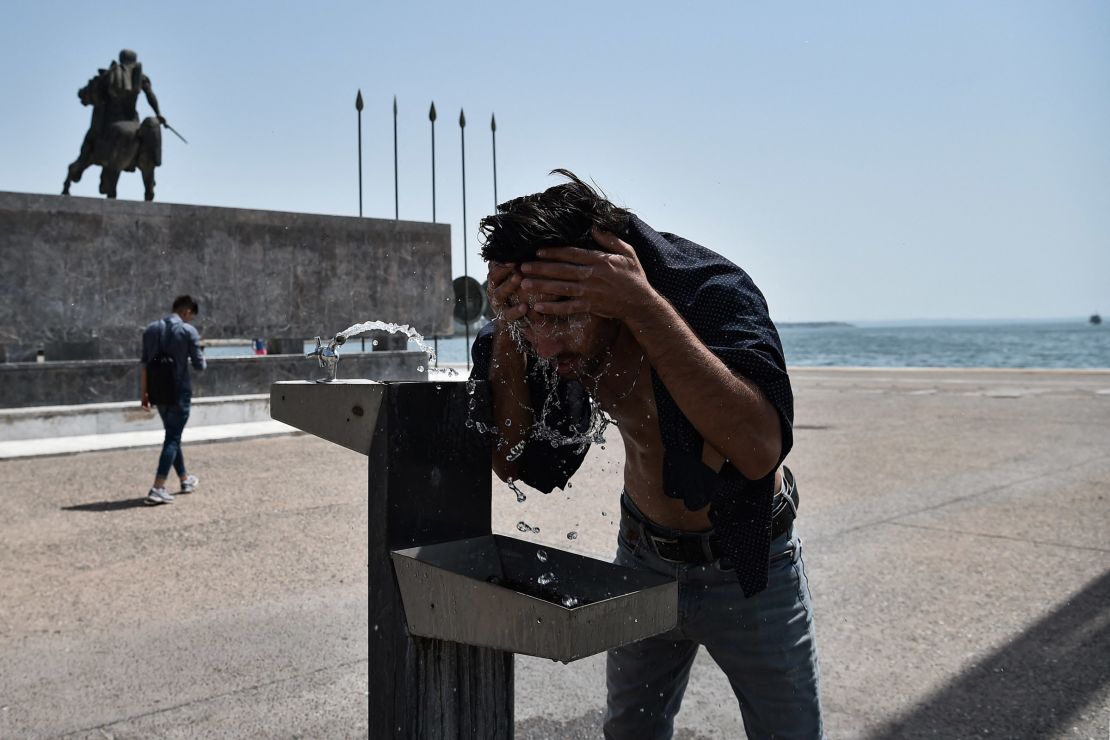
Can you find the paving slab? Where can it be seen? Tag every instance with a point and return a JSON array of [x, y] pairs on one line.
[[923, 493], [955, 533], [72, 444]]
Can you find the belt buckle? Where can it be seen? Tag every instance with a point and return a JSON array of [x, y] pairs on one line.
[[655, 546]]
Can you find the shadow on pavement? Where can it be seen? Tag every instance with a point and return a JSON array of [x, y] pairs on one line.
[[1031, 687], [131, 503], [585, 727]]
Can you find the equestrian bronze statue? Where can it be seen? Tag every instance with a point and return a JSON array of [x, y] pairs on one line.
[[116, 140]]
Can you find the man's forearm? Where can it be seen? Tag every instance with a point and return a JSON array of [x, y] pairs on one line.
[[729, 412], [200, 363]]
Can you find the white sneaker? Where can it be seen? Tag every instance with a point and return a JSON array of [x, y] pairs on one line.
[[189, 484], [158, 496]]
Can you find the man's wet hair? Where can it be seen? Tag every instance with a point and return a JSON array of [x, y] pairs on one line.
[[558, 217], [186, 301]]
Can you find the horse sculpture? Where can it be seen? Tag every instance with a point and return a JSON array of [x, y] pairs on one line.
[[116, 140]]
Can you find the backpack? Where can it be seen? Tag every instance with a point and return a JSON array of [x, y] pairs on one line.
[[161, 375]]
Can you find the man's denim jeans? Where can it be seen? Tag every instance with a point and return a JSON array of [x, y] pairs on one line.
[[174, 419], [765, 645]]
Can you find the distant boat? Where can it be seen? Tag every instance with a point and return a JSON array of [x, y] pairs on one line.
[[1096, 319]]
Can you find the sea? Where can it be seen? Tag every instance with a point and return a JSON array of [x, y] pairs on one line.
[[998, 344]]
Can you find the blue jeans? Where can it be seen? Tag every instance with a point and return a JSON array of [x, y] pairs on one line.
[[174, 419], [765, 645]]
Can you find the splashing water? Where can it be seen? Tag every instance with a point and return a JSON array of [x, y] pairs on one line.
[[391, 328], [517, 450], [570, 602], [546, 579], [520, 497], [541, 430]]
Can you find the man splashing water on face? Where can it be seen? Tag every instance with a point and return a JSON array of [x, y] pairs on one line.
[[598, 312]]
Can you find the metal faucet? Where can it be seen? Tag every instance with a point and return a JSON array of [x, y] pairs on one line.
[[328, 357]]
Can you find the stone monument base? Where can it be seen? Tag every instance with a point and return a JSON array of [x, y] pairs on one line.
[[81, 277]]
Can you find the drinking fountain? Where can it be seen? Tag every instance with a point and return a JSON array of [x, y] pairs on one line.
[[451, 602]]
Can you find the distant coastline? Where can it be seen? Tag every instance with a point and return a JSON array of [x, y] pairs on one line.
[[1069, 343], [814, 324]]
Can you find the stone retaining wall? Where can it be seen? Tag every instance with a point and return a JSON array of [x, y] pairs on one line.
[[26, 384], [81, 277]]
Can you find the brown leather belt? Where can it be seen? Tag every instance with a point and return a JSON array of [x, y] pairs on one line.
[[697, 548]]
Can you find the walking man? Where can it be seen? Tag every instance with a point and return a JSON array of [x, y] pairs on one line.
[[601, 319], [173, 341]]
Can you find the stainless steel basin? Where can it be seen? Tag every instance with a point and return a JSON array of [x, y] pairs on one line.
[[487, 591]]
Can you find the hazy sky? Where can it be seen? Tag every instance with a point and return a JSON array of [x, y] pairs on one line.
[[861, 160]]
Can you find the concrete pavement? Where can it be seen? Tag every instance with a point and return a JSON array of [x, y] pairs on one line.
[[956, 538], [63, 430]]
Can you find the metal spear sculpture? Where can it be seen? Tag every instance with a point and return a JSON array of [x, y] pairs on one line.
[[466, 273], [432, 118], [358, 107], [396, 191], [493, 134]]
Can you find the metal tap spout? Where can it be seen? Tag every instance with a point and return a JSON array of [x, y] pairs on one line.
[[327, 356]]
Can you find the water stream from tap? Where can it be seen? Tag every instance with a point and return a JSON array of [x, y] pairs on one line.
[[392, 328]]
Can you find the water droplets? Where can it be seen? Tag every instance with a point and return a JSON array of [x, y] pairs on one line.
[[526, 527], [572, 535], [569, 602], [405, 329], [546, 579], [516, 451], [541, 555]]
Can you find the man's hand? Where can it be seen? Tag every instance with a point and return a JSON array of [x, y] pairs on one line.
[[502, 282], [609, 282], [162, 120], [144, 393]]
